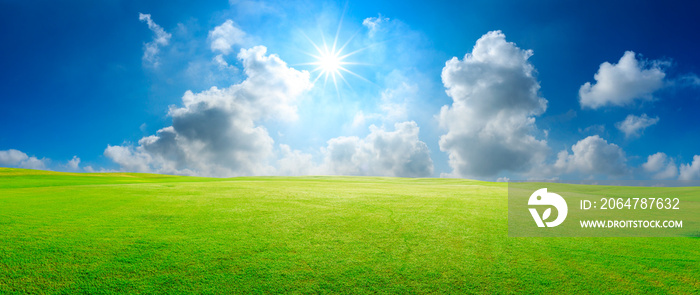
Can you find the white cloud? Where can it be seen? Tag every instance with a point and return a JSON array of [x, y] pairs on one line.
[[398, 153], [382, 153], [12, 157], [160, 38], [34, 163], [294, 163], [89, 169], [222, 63], [15, 158], [393, 106], [690, 171], [655, 162], [633, 125], [622, 83], [394, 102], [361, 119], [660, 166], [128, 159], [225, 36], [374, 23], [215, 132], [490, 124], [74, 164], [592, 155]]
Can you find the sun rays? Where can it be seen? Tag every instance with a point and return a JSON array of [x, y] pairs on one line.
[[331, 61]]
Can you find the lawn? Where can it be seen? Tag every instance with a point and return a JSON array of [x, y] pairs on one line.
[[107, 233]]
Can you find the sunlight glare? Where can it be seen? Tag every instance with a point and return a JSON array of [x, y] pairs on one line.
[[330, 60], [329, 63]]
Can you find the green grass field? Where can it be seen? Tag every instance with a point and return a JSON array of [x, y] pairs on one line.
[[137, 233]]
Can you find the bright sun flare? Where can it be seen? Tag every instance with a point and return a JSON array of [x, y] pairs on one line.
[[330, 61]]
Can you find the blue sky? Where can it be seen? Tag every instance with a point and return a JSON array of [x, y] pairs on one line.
[[127, 86]]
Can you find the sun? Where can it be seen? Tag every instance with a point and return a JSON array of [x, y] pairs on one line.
[[330, 61]]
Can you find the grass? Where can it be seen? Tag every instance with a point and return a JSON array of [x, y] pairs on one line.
[[138, 233]]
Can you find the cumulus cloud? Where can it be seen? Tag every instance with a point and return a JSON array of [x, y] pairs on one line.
[[216, 131], [592, 155], [660, 166], [12, 157], [74, 164], [622, 83], [373, 24], [160, 38], [490, 124], [15, 158], [690, 171], [382, 153], [225, 36], [633, 125]]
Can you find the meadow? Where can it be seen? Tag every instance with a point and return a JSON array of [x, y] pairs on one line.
[[104, 233]]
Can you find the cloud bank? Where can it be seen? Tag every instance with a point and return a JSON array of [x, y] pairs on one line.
[[15, 158], [19, 159], [397, 153], [387, 153]]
